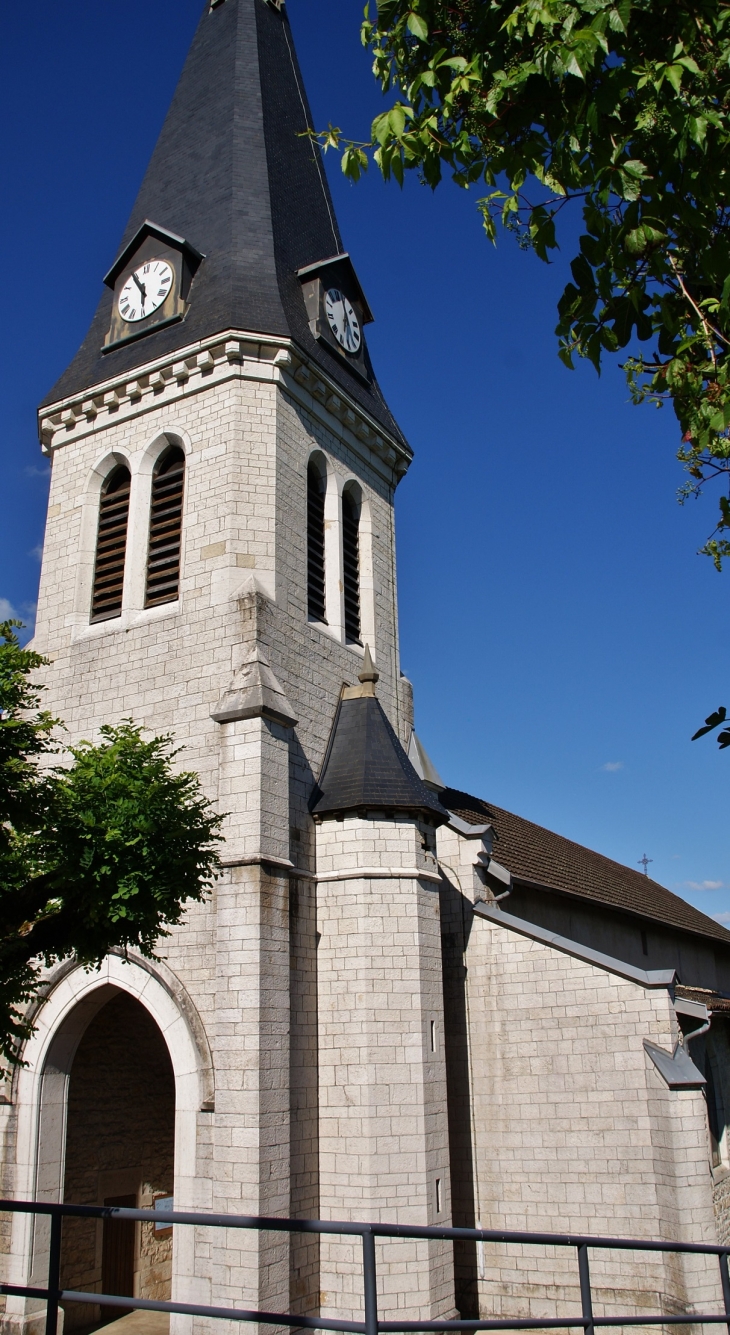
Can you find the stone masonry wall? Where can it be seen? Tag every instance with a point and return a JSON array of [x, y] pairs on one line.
[[574, 1130]]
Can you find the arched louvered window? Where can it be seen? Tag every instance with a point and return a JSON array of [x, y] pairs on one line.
[[111, 546], [351, 564], [315, 543], [163, 555]]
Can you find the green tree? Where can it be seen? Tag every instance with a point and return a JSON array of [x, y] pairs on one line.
[[620, 110], [100, 851]]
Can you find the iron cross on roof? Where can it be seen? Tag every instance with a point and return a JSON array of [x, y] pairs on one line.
[[644, 862]]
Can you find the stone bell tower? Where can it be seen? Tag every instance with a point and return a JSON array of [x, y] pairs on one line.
[[219, 552]]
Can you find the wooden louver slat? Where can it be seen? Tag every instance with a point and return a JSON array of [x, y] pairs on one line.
[[315, 545], [111, 546], [163, 554], [351, 566]]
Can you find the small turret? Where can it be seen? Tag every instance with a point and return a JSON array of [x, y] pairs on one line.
[[365, 768]]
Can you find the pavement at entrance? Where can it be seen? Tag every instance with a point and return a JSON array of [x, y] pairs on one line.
[[140, 1323]]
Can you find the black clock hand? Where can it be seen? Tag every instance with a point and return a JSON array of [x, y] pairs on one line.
[[142, 289], [347, 318]]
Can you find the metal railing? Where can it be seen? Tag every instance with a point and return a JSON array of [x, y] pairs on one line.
[[53, 1294]]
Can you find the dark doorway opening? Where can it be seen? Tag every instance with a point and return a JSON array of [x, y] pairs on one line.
[[119, 1151], [118, 1255]]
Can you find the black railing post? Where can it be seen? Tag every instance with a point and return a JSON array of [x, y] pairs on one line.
[[585, 1288], [54, 1273], [370, 1283], [725, 1281]]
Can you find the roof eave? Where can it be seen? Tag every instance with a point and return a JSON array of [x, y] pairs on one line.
[[619, 908], [366, 811], [149, 228], [310, 270]]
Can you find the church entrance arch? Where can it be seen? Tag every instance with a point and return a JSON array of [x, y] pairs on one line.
[[120, 1138], [117, 1074]]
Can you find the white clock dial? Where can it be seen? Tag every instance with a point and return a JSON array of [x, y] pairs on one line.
[[342, 320], [145, 290]]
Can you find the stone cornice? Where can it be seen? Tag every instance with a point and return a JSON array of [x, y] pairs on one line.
[[230, 355]]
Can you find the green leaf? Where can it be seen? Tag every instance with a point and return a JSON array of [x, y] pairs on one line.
[[713, 721], [418, 26], [381, 128], [721, 421], [690, 64], [630, 188], [633, 167], [397, 120]]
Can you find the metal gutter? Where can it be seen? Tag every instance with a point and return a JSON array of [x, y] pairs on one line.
[[644, 977]]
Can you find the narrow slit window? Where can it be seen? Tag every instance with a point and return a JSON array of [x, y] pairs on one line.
[[315, 544], [163, 556], [438, 1196], [111, 546], [433, 1035], [715, 1111], [351, 566]]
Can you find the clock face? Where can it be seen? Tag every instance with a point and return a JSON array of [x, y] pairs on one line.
[[342, 320], [145, 290]]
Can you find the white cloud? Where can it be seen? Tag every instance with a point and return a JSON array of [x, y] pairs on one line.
[[721, 917], [25, 613], [704, 885], [611, 766]]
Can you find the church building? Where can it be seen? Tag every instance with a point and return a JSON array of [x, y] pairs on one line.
[[400, 1003]]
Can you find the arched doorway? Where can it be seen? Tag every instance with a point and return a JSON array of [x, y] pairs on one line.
[[40, 1103], [120, 1136]]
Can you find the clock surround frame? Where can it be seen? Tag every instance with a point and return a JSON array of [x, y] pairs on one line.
[[151, 243]]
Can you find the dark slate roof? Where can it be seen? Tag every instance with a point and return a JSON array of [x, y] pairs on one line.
[[233, 176], [367, 769], [539, 857]]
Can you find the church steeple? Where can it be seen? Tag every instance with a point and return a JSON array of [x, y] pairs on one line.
[[234, 174]]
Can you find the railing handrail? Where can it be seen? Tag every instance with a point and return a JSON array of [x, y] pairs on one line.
[[53, 1294], [275, 1224]]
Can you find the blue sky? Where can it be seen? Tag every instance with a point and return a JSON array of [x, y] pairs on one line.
[[563, 637]]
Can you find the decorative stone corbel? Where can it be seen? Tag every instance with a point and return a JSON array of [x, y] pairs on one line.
[[254, 693]]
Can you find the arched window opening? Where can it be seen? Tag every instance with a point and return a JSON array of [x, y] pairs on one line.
[[315, 543], [351, 565], [715, 1110], [111, 546], [163, 556]]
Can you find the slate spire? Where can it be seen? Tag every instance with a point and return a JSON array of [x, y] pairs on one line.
[[365, 767], [232, 174]]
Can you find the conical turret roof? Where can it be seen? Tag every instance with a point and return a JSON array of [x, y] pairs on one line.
[[233, 175], [367, 769]]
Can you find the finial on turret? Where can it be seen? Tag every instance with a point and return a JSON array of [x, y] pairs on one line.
[[368, 668]]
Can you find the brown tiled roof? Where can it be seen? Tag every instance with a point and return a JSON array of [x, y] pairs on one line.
[[542, 858], [714, 1001]]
